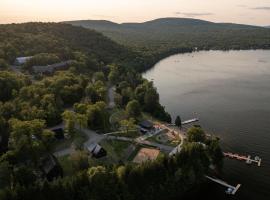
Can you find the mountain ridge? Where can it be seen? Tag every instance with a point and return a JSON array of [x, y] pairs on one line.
[[167, 34]]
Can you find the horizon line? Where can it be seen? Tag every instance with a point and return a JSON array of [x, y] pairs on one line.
[[62, 21]]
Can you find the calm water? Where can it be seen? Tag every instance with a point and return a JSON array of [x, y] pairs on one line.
[[230, 92]]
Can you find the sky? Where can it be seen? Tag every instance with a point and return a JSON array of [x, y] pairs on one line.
[[255, 12]]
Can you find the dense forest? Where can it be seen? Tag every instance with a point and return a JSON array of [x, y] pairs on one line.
[[32, 103], [65, 42]]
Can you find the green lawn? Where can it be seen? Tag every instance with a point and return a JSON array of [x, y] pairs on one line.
[[78, 139], [116, 150], [172, 143], [66, 165], [129, 134]]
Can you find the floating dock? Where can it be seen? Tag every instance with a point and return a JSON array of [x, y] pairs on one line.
[[247, 159], [230, 189]]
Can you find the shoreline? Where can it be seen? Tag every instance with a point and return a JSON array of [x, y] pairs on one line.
[[163, 55]]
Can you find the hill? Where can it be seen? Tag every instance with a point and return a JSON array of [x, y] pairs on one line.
[[171, 33], [63, 40]]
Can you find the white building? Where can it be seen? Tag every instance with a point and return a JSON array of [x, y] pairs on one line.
[[21, 60]]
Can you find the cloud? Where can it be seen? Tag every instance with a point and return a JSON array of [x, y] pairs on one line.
[[193, 14], [267, 8]]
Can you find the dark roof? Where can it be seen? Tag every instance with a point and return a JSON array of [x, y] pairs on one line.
[[146, 124], [51, 68]]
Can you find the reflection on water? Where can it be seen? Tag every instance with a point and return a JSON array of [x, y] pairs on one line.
[[230, 91]]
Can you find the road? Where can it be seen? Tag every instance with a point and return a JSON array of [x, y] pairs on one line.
[[111, 102], [93, 138]]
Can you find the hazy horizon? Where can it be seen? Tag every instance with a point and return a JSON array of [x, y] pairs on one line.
[[119, 11]]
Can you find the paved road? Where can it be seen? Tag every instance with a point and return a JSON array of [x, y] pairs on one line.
[[111, 97], [64, 152], [93, 138], [149, 134]]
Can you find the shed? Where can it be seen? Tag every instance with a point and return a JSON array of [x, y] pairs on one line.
[[96, 150], [49, 69], [146, 125]]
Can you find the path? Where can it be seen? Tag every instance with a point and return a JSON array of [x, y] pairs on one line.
[[178, 148], [149, 134], [111, 103]]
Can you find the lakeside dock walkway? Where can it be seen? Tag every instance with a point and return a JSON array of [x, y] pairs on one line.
[[247, 159], [230, 189]]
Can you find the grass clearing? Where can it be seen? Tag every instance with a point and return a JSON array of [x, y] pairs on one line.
[[129, 134], [78, 139], [116, 151], [66, 165]]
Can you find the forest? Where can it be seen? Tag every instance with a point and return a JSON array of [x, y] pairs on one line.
[[31, 103]]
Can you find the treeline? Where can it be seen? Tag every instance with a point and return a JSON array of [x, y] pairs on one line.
[[165, 178]]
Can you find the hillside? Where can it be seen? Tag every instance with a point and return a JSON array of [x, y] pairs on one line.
[[170, 33], [63, 40]]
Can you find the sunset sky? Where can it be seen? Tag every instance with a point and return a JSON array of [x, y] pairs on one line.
[[256, 12]]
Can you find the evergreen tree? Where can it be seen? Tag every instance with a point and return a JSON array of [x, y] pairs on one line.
[[178, 121]]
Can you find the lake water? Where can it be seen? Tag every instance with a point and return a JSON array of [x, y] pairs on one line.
[[230, 92]]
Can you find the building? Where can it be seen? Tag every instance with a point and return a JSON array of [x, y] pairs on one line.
[[49, 69], [58, 133], [96, 150], [22, 60], [146, 126]]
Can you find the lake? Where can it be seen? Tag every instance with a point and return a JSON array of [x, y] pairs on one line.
[[230, 92]]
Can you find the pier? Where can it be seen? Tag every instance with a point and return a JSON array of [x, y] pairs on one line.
[[186, 122], [247, 159], [190, 121], [230, 189]]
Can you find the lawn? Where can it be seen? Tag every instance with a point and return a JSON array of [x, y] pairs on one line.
[[172, 143], [66, 165], [116, 150], [129, 134], [78, 139]]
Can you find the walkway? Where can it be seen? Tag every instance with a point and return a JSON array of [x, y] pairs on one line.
[[111, 103]]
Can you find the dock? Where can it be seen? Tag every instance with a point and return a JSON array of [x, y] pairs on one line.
[[257, 160], [190, 121], [186, 122], [230, 189]]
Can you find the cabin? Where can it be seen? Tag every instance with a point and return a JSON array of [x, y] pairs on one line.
[[96, 150], [146, 126], [22, 60], [50, 69], [58, 133]]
